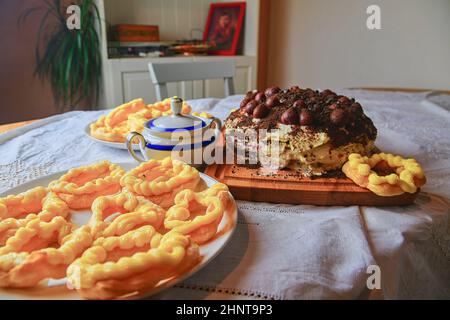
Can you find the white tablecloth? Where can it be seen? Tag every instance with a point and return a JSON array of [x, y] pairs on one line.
[[295, 252]]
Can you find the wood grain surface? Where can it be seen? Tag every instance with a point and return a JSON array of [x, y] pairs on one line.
[[288, 187]]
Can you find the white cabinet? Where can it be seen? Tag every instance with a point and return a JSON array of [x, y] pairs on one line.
[[135, 84], [129, 79]]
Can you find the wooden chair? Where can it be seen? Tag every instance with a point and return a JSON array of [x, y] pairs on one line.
[[162, 73]]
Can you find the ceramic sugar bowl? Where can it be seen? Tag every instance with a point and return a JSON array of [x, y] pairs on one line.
[[185, 137]]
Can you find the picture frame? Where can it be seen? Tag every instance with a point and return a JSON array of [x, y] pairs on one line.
[[224, 26]]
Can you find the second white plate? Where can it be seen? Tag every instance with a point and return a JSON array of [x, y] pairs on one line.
[[116, 145]]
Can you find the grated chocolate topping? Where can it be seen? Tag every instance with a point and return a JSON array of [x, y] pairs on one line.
[[342, 118]]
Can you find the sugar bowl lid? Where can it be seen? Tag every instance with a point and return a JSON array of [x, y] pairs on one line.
[[176, 121]]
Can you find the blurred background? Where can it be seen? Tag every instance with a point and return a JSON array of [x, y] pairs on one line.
[[318, 44]]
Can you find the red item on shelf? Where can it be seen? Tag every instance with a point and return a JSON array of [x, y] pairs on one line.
[[136, 33]]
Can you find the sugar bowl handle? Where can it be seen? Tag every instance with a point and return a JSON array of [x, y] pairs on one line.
[[132, 136]]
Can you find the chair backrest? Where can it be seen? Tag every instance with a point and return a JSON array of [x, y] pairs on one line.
[[162, 73]]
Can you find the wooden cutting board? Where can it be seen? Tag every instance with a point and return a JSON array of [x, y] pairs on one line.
[[288, 187]]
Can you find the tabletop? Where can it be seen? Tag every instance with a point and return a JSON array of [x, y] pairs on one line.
[[295, 252], [7, 127]]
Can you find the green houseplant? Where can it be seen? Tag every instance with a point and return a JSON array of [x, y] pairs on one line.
[[69, 59]]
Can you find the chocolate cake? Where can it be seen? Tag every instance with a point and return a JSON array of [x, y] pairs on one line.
[[315, 130]]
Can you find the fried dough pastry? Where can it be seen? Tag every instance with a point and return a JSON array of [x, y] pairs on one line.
[[24, 269], [116, 267], [79, 187], [160, 180], [137, 120], [134, 212], [25, 207], [130, 244], [198, 214], [37, 234], [131, 116], [400, 175], [203, 114], [121, 113], [114, 126], [26, 264], [19, 206], [99, 130]]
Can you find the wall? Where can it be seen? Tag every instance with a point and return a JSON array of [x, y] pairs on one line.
[[325, 43], [22, 96]]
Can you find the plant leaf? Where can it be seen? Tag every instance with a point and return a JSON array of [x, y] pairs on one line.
[[71, 59]]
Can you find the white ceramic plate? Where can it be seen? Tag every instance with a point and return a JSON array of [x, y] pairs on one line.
[[57, 289], [116, 145]]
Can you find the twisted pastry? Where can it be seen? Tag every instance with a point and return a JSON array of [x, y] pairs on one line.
[[100, 131], [138, 260], [47, 208], [22, 269], [131, 116], [120, 114], [79, 187], [403, 175], [160, 180], [134, 212], [120, 251], [19, 206], [37, 234], [137, 121], [198, 214], [203, 114], [41, 250]]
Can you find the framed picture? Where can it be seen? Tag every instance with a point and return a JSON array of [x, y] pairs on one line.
[[223, 27]]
